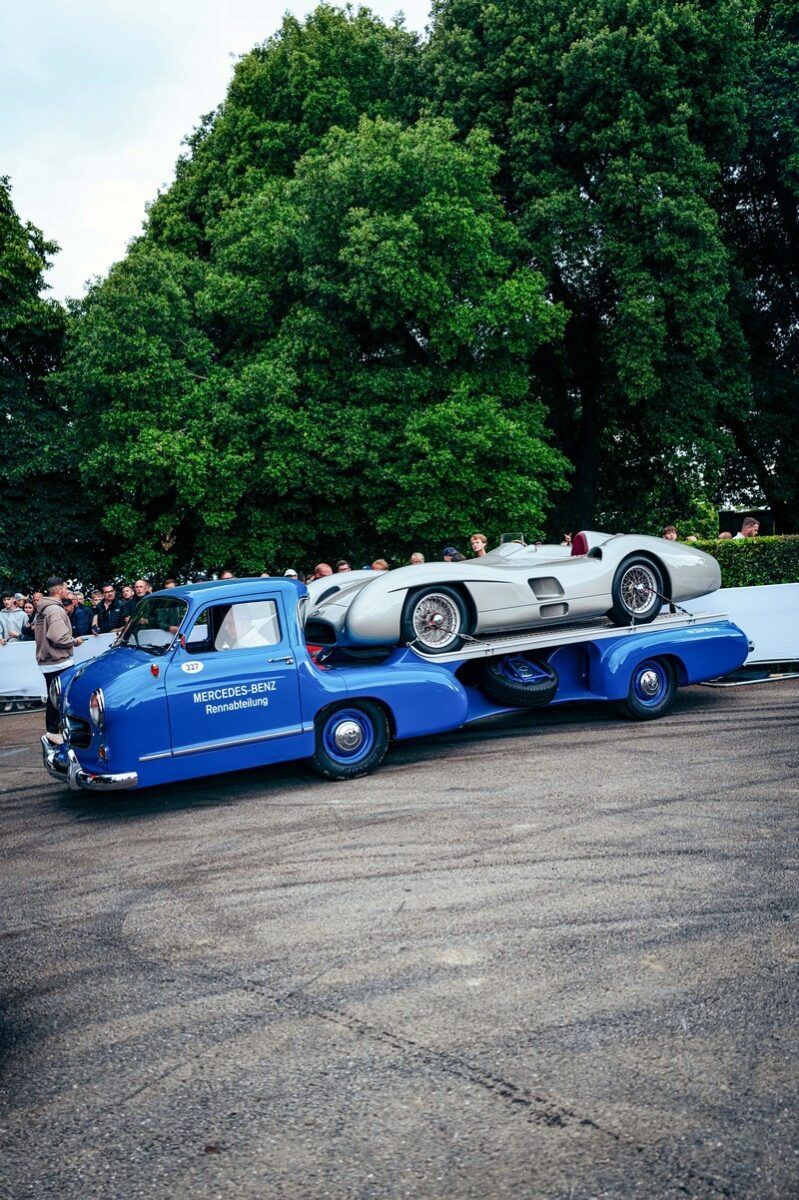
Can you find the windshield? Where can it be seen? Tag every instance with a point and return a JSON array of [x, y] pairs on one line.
[[154, 624]]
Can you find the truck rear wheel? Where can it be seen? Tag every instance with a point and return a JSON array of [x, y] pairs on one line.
[[653, 687], [518, 680], [351, 739]]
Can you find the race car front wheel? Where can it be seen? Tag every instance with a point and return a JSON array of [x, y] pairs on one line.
[[435, 619], [653, 687], [636, 592], [351, 739], [518, 680]]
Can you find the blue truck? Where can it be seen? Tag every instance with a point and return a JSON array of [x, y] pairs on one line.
[[217, 677]]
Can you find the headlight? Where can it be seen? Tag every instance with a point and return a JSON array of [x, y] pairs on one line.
[[54, 690], [97, 708]]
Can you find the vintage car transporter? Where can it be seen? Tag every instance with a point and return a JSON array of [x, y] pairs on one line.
[[218, 677]]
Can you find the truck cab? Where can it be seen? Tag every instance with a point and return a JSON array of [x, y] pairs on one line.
[[217, 677]]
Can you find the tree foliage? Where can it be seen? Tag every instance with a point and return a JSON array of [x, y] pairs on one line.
[[617, 118], [44, 522], [760, 217], [285, 96], [399, 290], [355, 340]]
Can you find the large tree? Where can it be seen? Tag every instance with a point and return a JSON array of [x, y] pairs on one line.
[[760, 217], [329, 70], [345, 369], [616, 119], [320, 342], [46, 525]]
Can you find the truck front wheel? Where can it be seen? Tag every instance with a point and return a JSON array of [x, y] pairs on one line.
[[351, 739]]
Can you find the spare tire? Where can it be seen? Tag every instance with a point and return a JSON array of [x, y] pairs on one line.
[[519, 680]]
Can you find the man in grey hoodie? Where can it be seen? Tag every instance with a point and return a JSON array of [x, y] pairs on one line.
[[52, 630]]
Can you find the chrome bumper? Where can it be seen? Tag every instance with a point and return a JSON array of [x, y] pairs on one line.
[[72, 772]]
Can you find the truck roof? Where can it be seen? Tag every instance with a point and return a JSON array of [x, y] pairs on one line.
[[238, 588]]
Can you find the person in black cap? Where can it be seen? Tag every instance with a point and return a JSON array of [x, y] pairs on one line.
[[55, 642]]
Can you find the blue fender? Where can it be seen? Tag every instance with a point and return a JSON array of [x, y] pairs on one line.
[[698, 652], [420, 697]]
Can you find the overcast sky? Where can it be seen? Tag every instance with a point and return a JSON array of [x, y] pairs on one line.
[[96, 97]]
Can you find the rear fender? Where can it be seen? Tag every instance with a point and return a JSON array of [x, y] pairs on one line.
[[698, 653]]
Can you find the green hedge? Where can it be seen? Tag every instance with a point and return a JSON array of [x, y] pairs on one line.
[[746, 562]]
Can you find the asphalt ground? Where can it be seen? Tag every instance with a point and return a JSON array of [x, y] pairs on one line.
[[554, 956]]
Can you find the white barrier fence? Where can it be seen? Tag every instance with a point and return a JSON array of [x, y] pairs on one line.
[[19, 675], [768, 615]]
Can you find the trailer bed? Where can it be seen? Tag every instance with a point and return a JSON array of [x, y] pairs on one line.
[[563, 635]]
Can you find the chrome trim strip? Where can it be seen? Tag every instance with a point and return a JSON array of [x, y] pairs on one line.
[[245, 741], [153, 757]]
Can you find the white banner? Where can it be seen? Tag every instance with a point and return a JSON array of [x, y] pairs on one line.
[[768, 615], [19, 674]]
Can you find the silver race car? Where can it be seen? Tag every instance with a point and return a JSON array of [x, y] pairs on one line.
[[438, 605]]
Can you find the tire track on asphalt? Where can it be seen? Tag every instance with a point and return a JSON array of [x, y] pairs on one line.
[[537, 1108]]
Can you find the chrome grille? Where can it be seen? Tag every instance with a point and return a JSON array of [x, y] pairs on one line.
[[77, 732]]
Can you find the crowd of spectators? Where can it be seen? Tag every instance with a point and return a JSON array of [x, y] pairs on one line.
[[107, 609], [749, 528]]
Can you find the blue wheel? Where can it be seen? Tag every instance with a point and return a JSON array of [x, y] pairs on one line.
[[351, 740], [518, 680], [653, 687]]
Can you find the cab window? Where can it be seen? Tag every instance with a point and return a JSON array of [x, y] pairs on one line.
[[242, 626], [154, 624]]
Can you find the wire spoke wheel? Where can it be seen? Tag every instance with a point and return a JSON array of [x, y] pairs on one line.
[[639, 589], [435, 619], [637, 592]]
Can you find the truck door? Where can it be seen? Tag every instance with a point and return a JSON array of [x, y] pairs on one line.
[[233, 681]]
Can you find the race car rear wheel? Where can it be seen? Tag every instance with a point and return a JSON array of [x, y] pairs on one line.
[[518, 680], [636, 592], [653, 687], [351, 739], [434, 619]]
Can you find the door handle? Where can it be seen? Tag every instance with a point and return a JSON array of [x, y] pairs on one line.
[[288, 659]]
